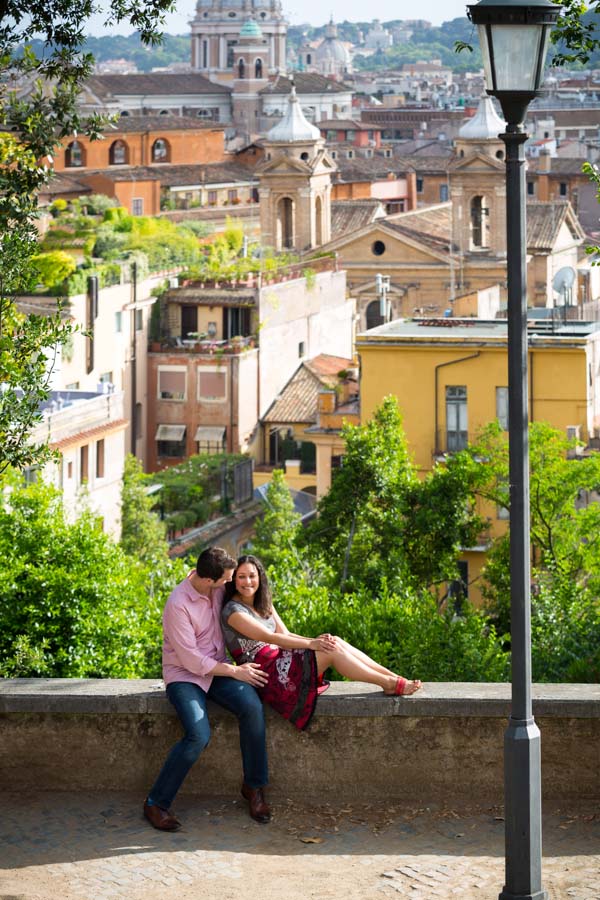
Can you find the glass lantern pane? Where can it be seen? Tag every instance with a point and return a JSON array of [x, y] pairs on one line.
[[516, 50]]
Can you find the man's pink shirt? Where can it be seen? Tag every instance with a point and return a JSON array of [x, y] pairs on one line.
[[192, 637]]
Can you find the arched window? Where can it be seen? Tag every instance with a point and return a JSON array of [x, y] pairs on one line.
[[241, 68], [74, 155], [308, 59], [374, 317], [480, 227], [258, 68], [319, 221], [118, 154], [285, 223], [160, 151]]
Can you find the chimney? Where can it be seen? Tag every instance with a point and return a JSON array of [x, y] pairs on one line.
[[545, 161]]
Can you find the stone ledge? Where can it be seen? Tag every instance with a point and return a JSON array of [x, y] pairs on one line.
[[441, 699]]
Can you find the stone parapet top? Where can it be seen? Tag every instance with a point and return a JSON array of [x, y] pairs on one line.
[[449, 699]]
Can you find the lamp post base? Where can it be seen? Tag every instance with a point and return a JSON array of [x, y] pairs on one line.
[[523, 830]]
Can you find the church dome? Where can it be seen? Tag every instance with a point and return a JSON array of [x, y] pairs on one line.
[[294, 126], [486, 124], [331, 48], [250, 29]]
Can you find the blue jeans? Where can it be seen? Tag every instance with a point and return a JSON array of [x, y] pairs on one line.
[[189, 701]]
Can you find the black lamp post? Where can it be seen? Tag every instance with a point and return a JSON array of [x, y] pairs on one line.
[[514, 40]]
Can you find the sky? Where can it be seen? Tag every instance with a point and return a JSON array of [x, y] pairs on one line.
[[317, 13]]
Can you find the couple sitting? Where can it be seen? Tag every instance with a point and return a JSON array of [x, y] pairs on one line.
[[220, 602]]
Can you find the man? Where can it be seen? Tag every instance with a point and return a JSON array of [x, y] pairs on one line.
[[195, 668]]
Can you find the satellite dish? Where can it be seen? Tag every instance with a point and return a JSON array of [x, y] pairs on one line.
[[563, 282]]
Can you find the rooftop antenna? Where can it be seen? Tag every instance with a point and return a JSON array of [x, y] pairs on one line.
[[562, 284]]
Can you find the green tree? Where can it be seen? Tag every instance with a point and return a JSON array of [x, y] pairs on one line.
[[142, 533], [380, 519], [32, 123], [276, 533], [86, 608], [53, 267]]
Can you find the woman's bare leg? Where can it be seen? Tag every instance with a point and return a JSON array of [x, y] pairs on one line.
[[352, 667], [365, 659]]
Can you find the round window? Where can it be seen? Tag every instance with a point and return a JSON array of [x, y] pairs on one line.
[[304, 156], [378, 248]]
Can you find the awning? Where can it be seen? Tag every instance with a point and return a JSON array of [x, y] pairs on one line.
[[210, 434], [170, 433]]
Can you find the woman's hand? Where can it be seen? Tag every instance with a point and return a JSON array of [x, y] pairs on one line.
[[325, 643], [251, 673]]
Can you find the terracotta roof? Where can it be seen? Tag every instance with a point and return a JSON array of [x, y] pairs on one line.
[[135, 124], [429, 225], [426, 165], [82, 437], [143, 83], [373, 168], [561, 165], [211, 173], [350, 215], [306, 83], [64, 184], [298, 400], [347, 125], [544, 221]]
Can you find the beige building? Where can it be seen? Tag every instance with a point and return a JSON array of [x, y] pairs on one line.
[[295, 184]]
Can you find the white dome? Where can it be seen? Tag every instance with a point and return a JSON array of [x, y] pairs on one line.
[[294, 126], [486, 124]]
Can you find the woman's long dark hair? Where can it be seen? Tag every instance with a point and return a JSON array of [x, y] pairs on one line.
[[262, 599]]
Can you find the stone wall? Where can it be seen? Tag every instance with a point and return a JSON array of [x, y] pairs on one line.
[[444, 745]]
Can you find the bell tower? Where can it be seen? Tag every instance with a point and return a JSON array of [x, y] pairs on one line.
[[295, 184], [478, 185]]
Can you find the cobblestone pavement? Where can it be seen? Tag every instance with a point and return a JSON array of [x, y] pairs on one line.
[[96, 847]]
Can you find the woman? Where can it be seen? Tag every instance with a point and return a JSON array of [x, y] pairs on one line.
[[254, 633]]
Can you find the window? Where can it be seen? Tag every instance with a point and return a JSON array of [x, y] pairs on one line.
[[118, 154], [350, 135], [378, 248], [73, 386], [232, 195], [456, 418], [139, 412], [479, 223], [139, 319], [563, 189], [503, 508], [212, 384], [174, 449], [374, 317], [212, 198], [118, 322], [160, 151], [241, 68], [443, 193], [334, 154], [387, 154], [74, 155], [70, 469], [137, 206], [330, 135], [502, 407], [172, 383], [301, 350], [236, 321], [419, 185], [530, 189], [106, 378], [210, 438], [458, 590], [100, 458], [83, 463], [350, 154]]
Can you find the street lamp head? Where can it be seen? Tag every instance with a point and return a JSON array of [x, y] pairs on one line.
[[514, 41]]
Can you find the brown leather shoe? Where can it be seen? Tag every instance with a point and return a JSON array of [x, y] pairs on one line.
[[161, 818], [259, 808]]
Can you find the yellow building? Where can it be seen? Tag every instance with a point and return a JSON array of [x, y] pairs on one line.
[[450, 378]]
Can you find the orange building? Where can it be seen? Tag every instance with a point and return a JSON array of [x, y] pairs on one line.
[[144, 141]]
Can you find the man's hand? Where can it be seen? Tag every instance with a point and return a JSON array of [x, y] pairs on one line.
[[252, 674]]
